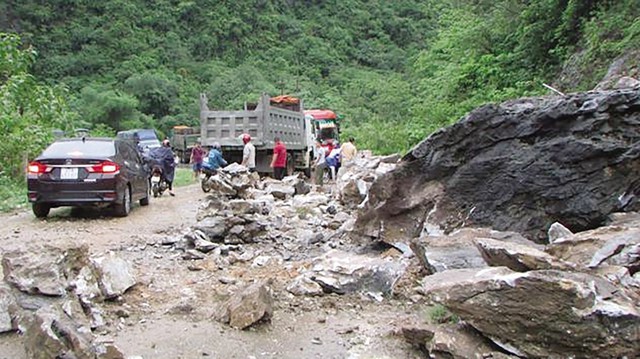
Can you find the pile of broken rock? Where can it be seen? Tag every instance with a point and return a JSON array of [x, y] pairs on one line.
[[53, 298]]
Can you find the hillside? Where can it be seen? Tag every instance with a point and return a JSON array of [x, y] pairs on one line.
[[397, 70]]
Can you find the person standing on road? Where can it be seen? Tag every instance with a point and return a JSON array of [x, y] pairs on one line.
[[197, 156], [248, 153], [279, 161], [320, 164]]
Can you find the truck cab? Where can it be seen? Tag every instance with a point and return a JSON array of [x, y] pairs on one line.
[[325, 126]]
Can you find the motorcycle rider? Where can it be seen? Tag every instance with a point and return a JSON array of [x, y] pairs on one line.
[[165, 157], [215, 158]]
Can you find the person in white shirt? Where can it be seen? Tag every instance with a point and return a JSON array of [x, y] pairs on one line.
[[248, 153], [320, 164]]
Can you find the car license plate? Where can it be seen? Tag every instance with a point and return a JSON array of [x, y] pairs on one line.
[[69, 173]]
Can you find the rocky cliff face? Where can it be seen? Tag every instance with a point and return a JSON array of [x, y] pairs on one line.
[[517, 166]]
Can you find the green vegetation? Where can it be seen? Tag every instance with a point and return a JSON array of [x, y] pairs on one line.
[[183, 177], [397, 70], [439, 314]]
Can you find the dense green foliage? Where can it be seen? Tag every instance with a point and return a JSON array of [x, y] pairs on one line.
[[397, 70]]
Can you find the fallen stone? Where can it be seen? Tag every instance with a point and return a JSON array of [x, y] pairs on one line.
[[260, 261], [280, 190], [418, 334], [520, 165], [302, 286], [340, 272], [610, 249], [298, 183], [384, 168], [570, 315], [109, 351], [7, 301], [205, 246], [617, 244], [192, 254], [243, 206], [248, 306], [558, 232], [114, 274], [462, 341], [393, 158], [517, 257], [214, 228], [221, 187], [457, 250], [54, 334], [36, 273], [310, 200]]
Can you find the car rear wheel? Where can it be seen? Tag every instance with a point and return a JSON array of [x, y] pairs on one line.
[[123, 209], [41, 210]]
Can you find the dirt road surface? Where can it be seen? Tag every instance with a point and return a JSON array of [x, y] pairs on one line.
[[169, 313]]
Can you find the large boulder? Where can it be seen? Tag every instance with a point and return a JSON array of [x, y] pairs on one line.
[[247, 306], [457, 250], [546, 313], [341, 272], [36, 273], [517, 166], [115, 275]]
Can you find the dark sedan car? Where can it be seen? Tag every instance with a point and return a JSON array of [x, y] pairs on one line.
[[79, 172]]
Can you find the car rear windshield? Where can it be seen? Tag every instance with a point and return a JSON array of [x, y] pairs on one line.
[[147, 135], [86, 149]]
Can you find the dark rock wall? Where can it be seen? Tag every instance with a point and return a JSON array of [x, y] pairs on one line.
[[518, 166]]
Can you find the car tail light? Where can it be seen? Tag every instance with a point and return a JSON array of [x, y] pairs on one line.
[[104, 167], [38, 168]]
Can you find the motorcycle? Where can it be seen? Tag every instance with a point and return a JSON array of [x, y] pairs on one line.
[[206, 175], [158, 182]]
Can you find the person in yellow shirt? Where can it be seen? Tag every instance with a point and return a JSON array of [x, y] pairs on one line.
[[349, 151]]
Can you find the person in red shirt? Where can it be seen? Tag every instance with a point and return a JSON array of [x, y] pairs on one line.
[[279, 161]]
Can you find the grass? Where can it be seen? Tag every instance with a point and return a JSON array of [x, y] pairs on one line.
[[13, 194], [183, 177], [439, 314]]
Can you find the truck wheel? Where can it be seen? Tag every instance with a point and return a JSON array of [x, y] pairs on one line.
[[291, 166]]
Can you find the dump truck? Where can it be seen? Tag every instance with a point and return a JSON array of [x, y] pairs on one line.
[[271, 117], [183, 139]]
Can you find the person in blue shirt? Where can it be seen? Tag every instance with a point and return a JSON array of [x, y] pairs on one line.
[[215, 159]]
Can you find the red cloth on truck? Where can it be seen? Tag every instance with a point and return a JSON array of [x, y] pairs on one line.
[[321, 114], [285, 99]]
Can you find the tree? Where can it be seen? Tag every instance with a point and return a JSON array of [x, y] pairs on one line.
[[156, 94], [30, 110]]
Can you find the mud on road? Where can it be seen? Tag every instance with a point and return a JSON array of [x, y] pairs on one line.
[[169, 313]]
